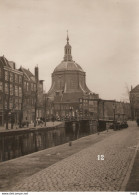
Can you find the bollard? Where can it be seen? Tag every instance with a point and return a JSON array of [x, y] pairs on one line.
[[70, 143]]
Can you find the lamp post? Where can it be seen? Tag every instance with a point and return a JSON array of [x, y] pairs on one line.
[[46, 104], [71, 108], [114, 107], [98, 101]]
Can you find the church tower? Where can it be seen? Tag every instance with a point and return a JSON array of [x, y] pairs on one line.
[[68, 83], [67, 49]]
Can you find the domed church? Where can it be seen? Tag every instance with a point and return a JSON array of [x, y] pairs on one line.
[[68, 86]]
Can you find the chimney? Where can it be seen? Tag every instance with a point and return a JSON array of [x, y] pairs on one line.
[[37, 73]]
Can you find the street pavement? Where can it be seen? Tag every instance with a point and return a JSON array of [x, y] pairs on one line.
[[82, 171]]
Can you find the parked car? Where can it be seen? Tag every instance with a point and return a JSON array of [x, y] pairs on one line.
[[119, 125], [137, 120]]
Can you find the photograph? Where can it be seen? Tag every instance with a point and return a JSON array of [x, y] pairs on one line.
[[69, 96]]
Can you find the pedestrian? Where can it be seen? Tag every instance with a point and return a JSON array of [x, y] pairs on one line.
[[137, 120], [12, 120]]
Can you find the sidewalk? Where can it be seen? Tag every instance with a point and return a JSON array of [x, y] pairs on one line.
[[133, 182], [16, 127], [17, 170]]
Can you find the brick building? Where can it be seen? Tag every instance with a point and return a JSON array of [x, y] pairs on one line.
[[134, 102], [104, 109], [21, 93], [32, 101], [10, 90]]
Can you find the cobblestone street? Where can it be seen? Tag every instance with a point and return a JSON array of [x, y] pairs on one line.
[[83, 171]]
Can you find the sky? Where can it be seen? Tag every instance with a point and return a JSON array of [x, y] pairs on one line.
[[104, 35]]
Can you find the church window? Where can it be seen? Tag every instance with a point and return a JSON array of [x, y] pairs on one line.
[[73, 84]]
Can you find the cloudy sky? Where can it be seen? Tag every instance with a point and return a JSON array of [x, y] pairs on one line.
[[104, 35]]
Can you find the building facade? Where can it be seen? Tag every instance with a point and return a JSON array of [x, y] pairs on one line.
[[134, 102], [32, 101], [21, 93], [68, 86], [10, 91], [100, 109]]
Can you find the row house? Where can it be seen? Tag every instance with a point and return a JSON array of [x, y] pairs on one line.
[[10, 90], [32, 102], [21, 93], [104, 109], [134, 102]]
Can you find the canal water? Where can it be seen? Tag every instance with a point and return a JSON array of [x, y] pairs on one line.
[[18, 143]]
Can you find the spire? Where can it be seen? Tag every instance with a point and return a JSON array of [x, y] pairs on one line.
[[67, 56], [67, 37]]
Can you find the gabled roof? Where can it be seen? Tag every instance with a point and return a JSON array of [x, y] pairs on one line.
[[28, 74], [135, 89], [4, 61]]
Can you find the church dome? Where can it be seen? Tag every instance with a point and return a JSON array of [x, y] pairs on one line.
[[68, 65]]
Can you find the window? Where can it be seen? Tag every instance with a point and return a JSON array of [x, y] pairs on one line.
[[20, 92], [1, 86], [32, 102], [6, 88], [34, 87], [11, 103], [11, 77], [16, 90], [6, 76], [25, 85], [16, 104], [0, 72], [6, 104], [16, 78], [20, 79], [20, 102], [31, 86], [1, 102], [11, 89]]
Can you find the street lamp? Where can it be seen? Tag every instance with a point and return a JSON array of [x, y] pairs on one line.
[[46, 104], [98, 102], [71, 108], [114, 107]]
